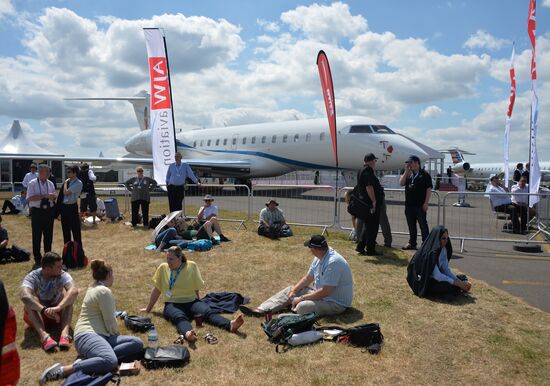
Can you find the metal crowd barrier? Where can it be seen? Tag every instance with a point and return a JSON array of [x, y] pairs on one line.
[[114, 190], [479, 222], [303, 205], [233, 201]]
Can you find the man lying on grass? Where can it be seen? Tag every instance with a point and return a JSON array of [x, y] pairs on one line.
[[179, 281], [333, 291]]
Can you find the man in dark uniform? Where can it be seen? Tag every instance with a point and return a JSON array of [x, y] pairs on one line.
[[526, 172], [418, 190], [371, 192], [518, 172]]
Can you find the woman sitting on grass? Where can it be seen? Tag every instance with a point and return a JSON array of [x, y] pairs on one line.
[[179, 281], [429, 272], [178, 229], [97, 341]]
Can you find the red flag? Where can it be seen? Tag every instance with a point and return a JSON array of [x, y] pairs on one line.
[[512, 86], [328, 94], [531, 30]]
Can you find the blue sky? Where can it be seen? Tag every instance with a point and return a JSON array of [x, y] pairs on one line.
[[438, 68]]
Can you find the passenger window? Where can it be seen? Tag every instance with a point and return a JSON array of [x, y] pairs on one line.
[[194, 143], [285, 138], [308, 137], [217, 142], [253, 140], [225, 142], [209, 142], [234, 141], [244, 140], [296, 137], [274, 139], [263, 139]]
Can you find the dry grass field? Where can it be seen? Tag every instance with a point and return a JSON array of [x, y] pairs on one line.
[[490, 338]]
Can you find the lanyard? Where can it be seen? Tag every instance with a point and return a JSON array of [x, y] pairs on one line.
[[174, 278], [414, 177], [140, 181], [178, 168]]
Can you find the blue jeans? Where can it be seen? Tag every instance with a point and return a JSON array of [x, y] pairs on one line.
[[101, 354], [416, 214], [166, 236], [181, 315]]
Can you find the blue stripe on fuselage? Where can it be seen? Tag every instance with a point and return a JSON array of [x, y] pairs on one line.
[[272, 157]]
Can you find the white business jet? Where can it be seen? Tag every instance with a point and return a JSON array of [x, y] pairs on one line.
[[275, 148]]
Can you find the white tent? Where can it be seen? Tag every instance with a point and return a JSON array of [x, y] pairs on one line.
[[17, 142]]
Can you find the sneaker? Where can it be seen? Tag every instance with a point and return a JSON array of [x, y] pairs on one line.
[[52, 373], [49, 344], [409, 247], [223, 238], [214, 241], [64, 343]]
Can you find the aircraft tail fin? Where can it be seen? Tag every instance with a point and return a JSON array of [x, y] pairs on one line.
[[140, 102], [457, 155]]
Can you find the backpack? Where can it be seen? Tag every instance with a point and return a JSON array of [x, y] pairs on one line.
[[200, 245], [356, 206], [78, 378], [138, 323], [167, 356], [154, 221], [367, 335], [280, 330], [20, 254], [73, 255]]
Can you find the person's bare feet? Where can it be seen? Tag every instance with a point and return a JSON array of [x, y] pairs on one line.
[[191, 336], [236, 323]]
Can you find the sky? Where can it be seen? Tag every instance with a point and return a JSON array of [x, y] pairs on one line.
[[434, 70]]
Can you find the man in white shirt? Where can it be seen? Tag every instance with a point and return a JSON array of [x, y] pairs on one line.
[[502, 203], [30, 176], [41, 195], [208, 213], [521, 202]]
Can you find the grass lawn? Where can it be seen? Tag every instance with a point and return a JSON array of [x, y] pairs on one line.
[[493, 338]]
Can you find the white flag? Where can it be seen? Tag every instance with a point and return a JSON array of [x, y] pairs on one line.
[[162, 123]]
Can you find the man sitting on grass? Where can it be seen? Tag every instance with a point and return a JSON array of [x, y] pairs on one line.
[[5, 253], [17, 204], [48, 294], [208, 213], [272, 221], [333, 286]]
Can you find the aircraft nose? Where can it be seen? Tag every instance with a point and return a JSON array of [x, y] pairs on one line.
[[407, 147]]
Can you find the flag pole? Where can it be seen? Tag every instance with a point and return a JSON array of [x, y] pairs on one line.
[[170, 85]]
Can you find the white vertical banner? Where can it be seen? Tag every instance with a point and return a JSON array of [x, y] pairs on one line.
[[534, 170], [509, 119], [163, 135]]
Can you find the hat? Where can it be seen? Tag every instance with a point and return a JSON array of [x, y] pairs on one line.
[[370, 157], [208, 197], [316, 241], [493, 177], [270, 201], [33, 165], [413, 158]]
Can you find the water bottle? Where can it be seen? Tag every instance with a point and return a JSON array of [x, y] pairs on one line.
[[152, 337]]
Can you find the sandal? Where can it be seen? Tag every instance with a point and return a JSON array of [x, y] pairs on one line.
[[210, 339]]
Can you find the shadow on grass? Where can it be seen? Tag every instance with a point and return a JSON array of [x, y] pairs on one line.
[[351, 315], [453, 300], [389, 258]]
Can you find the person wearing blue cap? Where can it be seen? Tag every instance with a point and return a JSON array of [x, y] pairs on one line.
[[418, 190]]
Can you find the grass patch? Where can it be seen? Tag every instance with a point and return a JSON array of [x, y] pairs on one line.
[[492, 339]]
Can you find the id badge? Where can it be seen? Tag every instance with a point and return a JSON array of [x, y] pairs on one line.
[[168, 294]]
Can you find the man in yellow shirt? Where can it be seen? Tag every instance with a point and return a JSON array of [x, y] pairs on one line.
[[179, 281]]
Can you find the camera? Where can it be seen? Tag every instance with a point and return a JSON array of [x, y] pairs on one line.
[[45, 203]]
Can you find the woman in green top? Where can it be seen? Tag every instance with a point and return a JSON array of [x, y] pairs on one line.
[[179, 281], [96, 333]]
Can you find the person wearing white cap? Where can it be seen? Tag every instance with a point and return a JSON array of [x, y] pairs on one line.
[[209, 213], [332, 291]]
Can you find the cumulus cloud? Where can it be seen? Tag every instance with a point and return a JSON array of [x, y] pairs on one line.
[[430, 112], [483, 39], [6, 8], [269, 26], [546, 3], [325, 23]]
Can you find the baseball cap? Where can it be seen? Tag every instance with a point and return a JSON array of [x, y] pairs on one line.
[[413, 158], [316, 241], [370, 157]]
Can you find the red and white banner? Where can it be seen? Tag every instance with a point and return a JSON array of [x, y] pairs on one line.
[[328, 94], [534, 172], [509, 119], [163, 135]]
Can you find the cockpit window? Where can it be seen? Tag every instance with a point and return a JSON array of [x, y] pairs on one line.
[[360, 129], [380, 129]]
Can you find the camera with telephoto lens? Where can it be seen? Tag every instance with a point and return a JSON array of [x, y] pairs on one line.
[[45, 203]]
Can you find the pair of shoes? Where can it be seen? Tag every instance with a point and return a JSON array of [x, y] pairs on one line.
[[52, 373], [251, 311], [49, 344], [409, 247], [223, 238], [64, 343], [214, 241]]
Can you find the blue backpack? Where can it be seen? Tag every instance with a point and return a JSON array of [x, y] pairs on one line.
[[200, 245], [78, 378]]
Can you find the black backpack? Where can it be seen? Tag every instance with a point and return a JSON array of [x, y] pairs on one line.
[[138, 323], [167, 356], [20, 254], [280, 330], [154, 221], [356, 206], [73, 255], [367, 335]]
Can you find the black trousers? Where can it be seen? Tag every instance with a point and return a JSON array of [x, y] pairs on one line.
[[70, 223], [523, 214], [175, 197], [9, 205], [513, 212], [368, 235], [41, 225], [442, 288], [144, 212], [416, 214]]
